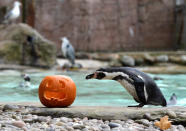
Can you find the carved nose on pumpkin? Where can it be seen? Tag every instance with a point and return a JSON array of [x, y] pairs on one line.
[[90, 76]]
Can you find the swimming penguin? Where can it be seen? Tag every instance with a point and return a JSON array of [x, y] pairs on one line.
[[172, 100], [141, 86], [26, 82]]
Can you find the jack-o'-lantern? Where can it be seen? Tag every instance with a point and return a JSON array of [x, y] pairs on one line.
[[57, 91]]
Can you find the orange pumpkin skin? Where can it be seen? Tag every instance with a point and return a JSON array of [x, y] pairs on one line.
[[57, 91]]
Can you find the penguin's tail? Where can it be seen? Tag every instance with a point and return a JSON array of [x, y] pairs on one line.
[[172, 100]]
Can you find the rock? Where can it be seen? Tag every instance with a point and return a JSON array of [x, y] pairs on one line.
[[113, 125], [45, 125], [183, 59], [104, 126], [50, 129], [139, 61], [64, 119], [21, 44], [130, 121], [162, 58], [85, 129], [175, 59], [19, 124], [171, 114], [85, 119], [16, 117], [69, 128], [115, 63], [10, 107], [127, 60], [173, 128], [144, 122], [78, 126], [60, 124], [181, 128], [149, 59], [43, 119], [148, 116], [104, 56], [151, 128]]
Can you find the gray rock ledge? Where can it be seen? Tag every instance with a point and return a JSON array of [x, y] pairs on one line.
[[176, 114]]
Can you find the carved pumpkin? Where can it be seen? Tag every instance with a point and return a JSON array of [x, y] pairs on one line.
[[57, 91]]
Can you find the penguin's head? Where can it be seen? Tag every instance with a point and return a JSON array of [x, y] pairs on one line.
[[64, 39], [173, 97], [105, 73], [17, 3], [26, 77], [98, 74]]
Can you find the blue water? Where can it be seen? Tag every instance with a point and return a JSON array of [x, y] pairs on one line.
[[89, 92]]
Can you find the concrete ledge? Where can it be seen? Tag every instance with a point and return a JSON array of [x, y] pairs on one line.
[[176, 114]]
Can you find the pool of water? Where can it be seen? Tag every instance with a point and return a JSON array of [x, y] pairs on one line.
[[89, 92]]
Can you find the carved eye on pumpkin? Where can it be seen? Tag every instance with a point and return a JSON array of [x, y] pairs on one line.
[[57, 91]]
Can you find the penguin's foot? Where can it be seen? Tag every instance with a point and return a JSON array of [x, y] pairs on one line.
[[140, 105]]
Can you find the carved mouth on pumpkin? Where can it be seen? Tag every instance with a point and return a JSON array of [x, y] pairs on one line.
[[55, 93], [59, 96]]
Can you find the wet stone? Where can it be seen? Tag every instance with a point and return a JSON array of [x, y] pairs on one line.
[[43, 119], [50, 129], [19, 124], [171, 114], [64, 119], [69, 128], [162, 58], [144, 122], [113, 125], [181, 128], [148, 116], [78, 126], [10, 107]]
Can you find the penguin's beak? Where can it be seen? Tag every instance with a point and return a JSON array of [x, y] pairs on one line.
[[91, 76]]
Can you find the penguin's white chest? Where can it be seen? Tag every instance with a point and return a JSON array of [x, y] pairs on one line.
[[15, 13], [130, 88]]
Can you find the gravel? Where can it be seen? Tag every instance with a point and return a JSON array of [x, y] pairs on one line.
[[20, 120]]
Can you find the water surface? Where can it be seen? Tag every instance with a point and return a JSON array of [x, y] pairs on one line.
[[89, 92]]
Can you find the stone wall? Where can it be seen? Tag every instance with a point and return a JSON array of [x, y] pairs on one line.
[[107, 25]]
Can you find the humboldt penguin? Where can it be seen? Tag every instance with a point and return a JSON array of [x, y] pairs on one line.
[[26, 82], [138, 84], [68, 50]]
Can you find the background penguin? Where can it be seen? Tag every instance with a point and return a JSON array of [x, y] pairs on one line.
[[26, 82], [172, 100], [141, 86], [68, 50], [14, 13]]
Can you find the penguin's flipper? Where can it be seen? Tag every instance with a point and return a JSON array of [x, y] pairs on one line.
[[139, 86]]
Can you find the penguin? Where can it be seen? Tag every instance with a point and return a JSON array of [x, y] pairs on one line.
[[172, 100], [68, 50], [138, 84], [26, 82], [14, 13]]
